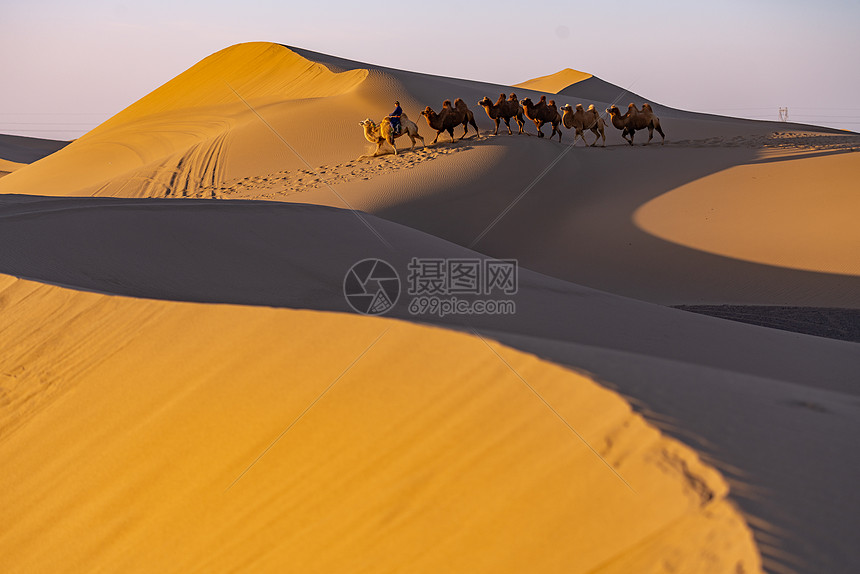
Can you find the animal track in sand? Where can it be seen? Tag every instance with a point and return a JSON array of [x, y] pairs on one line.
[[284, 183]]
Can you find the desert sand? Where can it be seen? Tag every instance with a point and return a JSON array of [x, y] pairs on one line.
[[554, 83], [172, 316]]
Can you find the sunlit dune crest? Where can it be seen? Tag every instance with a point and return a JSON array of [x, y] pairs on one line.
[[554, 83], [796, 213], [183, 126]]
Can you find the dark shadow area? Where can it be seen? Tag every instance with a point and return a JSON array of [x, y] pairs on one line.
[[577, 224], [22, 149], [841, 324]]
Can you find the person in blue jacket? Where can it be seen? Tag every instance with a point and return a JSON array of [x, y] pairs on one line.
[[394, 117]]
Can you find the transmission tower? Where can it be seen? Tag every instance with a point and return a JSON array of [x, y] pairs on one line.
[[783, 114]]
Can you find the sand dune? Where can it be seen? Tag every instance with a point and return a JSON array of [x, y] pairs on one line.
[[438, 459], [554, 83], [576, 223], [706, 374], [427, 455], [809, 205]]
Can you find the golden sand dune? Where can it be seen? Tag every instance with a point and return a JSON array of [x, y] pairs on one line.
[[554, 83], [809, 207], [143, 436], [176, 135]]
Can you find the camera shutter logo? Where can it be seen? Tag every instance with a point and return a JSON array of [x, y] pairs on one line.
[[371, 287]]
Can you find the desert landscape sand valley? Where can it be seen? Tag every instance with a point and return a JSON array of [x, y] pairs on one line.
[[184, 386]]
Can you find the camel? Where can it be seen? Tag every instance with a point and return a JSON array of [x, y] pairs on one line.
[[543, 113], [383, 132], [449, 118], [634, 120], [504, 110], [584, 120]]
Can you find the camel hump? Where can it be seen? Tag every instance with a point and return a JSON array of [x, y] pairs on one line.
[[591, 108], [447, 104]]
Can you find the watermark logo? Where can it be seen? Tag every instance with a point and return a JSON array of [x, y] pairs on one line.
[[371, 287], [436, 286]]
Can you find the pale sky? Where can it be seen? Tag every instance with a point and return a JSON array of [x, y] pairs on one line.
[[67, 66]]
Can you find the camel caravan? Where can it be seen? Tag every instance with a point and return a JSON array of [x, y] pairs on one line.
[[505, 108]]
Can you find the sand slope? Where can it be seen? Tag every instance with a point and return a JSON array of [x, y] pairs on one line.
[[176, 134], [810, 206], [759, 403], [577, 221], [554, 83], [125, 454]]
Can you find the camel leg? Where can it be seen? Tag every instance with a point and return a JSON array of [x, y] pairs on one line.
[[508, 123], [437, 137], [451, 133], [626, 133], [650, 134], [660, 131], [495, 133], [474, 125], [413, 140], [465, 129], [391, 142], [378, 146], [521, 123], [538, 125], [419, 136], [557, 128]]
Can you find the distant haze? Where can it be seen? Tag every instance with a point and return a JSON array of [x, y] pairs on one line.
[[67, 67]]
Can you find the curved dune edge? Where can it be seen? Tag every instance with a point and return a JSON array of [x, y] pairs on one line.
[[554, 83], [7, 167], [125, 422], [177, 135], [794, 213]]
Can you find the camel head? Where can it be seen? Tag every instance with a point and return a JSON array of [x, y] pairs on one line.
[[485, 102], [566, 108], [368, 124], [428, 111], [613, 110], [542, 99], [527, 102], [513, 96]]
